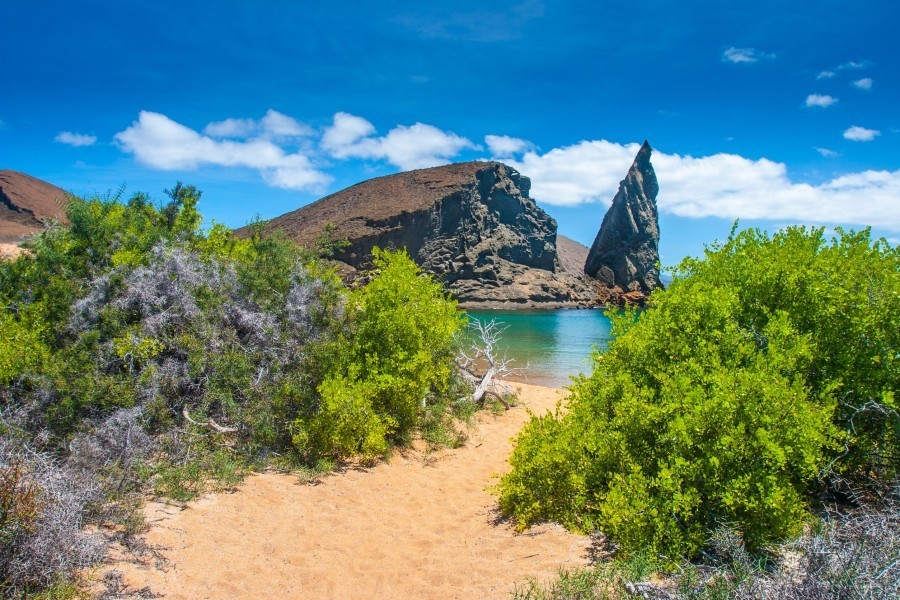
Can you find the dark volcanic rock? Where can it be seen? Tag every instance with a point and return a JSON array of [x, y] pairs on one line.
[[472, 225], [625, 254], [25, 203]]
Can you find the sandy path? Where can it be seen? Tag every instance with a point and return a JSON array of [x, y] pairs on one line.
[[416, 527]]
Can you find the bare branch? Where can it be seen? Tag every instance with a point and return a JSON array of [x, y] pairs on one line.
[[483, 353], [209, 423]]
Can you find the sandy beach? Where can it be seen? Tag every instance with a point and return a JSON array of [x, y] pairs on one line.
[[419, 526]]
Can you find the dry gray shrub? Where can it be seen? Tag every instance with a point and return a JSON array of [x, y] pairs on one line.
[[109, 454], [180, 291], [856, 555], [848, 555], [53, 545], [118, 441]]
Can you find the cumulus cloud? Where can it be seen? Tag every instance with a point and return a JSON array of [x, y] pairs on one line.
[[745, 55], [864, 84], [503, 146], [825, 75], [720, 185], [273, 125], [344, 134], [75, 139], [820, 100], [860, 134], [409, 147], [158, 142]]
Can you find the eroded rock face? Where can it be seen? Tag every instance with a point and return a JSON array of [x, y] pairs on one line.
[[26, 202], [473, 225], [625, 253]]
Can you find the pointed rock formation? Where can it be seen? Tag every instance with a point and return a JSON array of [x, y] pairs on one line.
[[625, 253], [472, 225]]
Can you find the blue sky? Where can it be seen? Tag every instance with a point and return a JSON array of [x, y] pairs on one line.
[[771, 112]]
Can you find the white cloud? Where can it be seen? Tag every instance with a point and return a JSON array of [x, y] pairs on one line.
[[721, 185], [408, 147], [232, 128], [347, 130], [504, 146], [827, 153], [75, 139], [745, 55], [278, 125], [860, 134], [589, 171], [864, 84], [273, 125], [160, 143], [820, 100], [852, 65]]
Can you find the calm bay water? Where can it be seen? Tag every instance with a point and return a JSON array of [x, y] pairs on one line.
[[550, 345]]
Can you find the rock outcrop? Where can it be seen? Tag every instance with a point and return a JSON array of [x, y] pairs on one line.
[[25, 204], [472, 225], [624, 258]]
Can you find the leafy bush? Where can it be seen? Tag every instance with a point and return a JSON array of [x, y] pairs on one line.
[[394, 360], [727, 399]]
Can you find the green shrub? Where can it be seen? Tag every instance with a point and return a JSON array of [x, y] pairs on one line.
[[725, 400], [394, 359]]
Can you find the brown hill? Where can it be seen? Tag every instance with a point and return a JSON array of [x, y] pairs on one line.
[[473, 225], [25, 202], [572, 255]]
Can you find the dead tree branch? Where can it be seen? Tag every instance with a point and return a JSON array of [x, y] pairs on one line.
[[209, 423], [483, 353]]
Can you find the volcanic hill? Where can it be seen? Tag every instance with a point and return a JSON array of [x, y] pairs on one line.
[[25, 203], [472, 225]]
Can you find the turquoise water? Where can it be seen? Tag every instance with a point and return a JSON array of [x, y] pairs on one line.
[[550, 345]]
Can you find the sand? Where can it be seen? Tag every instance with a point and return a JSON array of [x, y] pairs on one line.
[[419, 526], [9, 251]]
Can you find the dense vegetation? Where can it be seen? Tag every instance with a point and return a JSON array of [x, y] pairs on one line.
[[143, 352], [765, 375]]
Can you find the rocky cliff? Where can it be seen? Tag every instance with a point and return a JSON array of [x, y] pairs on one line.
[[25, 203], [472, 225], [625, 255]]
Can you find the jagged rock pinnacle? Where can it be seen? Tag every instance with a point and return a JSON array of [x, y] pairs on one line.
[[625, 253]]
